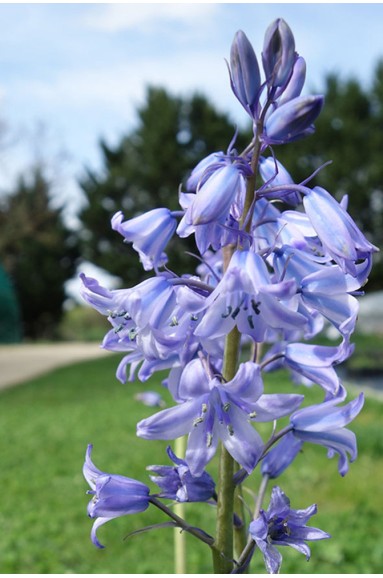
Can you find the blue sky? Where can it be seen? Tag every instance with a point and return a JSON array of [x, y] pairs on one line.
[[80, 70]]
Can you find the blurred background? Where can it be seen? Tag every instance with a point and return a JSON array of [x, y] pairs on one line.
[[107, 107]]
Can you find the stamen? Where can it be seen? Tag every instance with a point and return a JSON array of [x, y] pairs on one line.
[[132, 334], [255, 305], [235, 312], [197, 421], [229, 310]]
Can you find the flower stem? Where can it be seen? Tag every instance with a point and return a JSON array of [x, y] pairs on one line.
[[223, 552], [179, 509], [243, 561]]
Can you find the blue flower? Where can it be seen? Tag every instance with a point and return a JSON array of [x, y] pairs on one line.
[[337, 231], [214, 197], [315, 362], [280, 525], [211, 411], [324, 423], [177, 483], [280, 456], [113, 495], [149, 233], [247, 298]]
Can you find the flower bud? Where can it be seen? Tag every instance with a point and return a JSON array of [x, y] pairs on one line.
[[244, 71], [293, 119], [295, 85], [278, 54]]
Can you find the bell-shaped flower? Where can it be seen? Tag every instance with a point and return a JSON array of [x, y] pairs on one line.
[[280, 456], [211, 411], [327, 291], [214, 198], [336, 229], [244, 72], [278, 54], [113, 495], [316, 362], [177, 483], [293, 119], [149, 233], [280, 525], [324, 423], [247, 298]]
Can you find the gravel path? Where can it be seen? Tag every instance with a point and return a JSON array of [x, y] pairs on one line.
[[21, 362]]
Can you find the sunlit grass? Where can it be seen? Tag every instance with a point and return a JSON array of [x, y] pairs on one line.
[[45, 426]]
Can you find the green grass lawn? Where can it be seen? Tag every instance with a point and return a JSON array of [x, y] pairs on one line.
[[45, 426]]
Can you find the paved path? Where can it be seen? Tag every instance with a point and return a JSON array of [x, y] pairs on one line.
[[21, 362]]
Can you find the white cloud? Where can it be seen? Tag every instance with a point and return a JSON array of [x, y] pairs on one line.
[[118, 17]]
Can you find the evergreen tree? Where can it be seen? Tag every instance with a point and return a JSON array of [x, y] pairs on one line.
[[38, 252]]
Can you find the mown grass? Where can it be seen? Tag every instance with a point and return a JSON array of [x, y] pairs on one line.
[[45, 426]]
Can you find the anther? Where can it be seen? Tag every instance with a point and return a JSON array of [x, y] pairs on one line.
[[255, 305], [197, 421], [229, 310]]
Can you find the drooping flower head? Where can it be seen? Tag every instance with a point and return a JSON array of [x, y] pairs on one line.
[[113, 495], [324, 423]]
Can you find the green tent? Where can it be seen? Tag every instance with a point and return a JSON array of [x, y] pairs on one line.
[[10, 325]]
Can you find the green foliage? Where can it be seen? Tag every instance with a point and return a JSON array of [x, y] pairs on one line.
[[46, 425], [38, 252], [144, 171]]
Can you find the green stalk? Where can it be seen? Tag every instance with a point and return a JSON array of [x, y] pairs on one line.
[[179, 509], [223, 551], [223, 546]]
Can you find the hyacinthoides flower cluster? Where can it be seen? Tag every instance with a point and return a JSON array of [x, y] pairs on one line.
[[278, 261]]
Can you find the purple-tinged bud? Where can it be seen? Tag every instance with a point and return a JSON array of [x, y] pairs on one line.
[[278, 54], [244, 72], [293, 119], [296, 82]]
